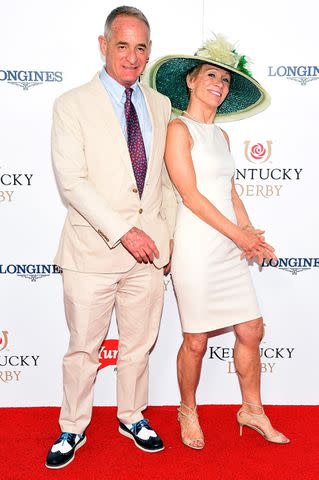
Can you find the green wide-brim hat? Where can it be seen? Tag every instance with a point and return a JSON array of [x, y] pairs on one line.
[[246, 96]]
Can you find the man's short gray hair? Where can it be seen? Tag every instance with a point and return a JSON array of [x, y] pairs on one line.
[[123, 10]]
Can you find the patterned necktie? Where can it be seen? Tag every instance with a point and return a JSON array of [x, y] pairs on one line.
[[135, 142]]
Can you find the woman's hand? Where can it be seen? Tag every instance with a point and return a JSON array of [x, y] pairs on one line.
[[248, 239], [261, 251]]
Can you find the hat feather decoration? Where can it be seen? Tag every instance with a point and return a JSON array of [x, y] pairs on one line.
[[246, 96], [221, 50]]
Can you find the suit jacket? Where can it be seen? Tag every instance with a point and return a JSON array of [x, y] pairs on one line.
[[96, 180]]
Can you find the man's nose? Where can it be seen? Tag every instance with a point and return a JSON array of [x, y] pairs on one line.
[[131, 56]]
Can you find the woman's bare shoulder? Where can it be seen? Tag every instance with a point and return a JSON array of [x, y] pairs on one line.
[[178, 127]]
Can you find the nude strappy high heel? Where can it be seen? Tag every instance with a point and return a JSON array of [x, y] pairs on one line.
[[247, 419], [188, 420]]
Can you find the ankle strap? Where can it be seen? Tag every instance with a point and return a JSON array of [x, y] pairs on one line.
[[190, 409], [254, 405]]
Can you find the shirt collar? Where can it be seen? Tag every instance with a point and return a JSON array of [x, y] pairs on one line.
[[116, 89]]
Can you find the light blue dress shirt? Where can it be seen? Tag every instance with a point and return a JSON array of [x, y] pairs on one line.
[[116, 92]]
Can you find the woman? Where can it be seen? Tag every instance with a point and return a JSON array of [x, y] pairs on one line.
[[214, 237]]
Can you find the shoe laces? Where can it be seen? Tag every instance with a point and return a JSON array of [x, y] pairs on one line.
[[139, 425], [68, 437]]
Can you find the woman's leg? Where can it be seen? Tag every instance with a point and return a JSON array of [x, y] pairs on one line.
[[189, 364], [247, 359], [247, 364]]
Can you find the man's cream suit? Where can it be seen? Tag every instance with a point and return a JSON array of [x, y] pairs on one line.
[[96, 180]]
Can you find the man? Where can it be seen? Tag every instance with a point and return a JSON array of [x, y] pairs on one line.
[[108, 141]]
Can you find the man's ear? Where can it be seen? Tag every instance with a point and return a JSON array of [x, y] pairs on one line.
[[103, 45], [149, 49]]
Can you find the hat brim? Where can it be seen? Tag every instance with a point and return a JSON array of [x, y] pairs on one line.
[[167, 75]]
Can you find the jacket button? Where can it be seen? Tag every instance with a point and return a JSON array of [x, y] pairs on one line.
[[135, 190], [140, 210]]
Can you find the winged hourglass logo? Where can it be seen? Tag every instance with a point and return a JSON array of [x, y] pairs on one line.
[[26, 85], [30, 78]]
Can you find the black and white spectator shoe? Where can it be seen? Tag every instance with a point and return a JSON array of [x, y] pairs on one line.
[[143, 436], [63, 450]]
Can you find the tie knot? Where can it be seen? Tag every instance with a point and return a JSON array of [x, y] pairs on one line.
[[128, 93]]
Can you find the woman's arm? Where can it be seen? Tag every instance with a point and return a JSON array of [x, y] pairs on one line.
[[181, 170], [239, 208], [243, 221], [263, 251]]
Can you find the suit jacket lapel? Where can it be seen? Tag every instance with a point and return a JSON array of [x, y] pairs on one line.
[[108, 118], [152, 113]]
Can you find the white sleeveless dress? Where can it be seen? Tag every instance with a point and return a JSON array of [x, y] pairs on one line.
[[212, 285]]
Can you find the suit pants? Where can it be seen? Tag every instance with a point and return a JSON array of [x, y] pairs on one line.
[[89, 299]]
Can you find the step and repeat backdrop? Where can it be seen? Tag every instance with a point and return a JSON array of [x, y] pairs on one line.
[[47, 48]]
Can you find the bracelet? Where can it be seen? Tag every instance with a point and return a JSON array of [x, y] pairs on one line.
[[247, 227]]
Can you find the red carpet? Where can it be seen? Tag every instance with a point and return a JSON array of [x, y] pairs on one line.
[[27, 433]]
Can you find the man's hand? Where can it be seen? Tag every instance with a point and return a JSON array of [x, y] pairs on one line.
[[140, 245], [167, 267]]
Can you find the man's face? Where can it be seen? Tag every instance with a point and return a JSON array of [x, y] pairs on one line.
[[127, 50]]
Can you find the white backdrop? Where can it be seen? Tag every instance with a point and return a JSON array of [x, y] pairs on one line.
[[61, 36]]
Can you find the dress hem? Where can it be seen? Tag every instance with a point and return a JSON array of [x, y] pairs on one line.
[[230, 324]]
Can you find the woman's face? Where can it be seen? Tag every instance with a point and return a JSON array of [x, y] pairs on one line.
[[210, 86]]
